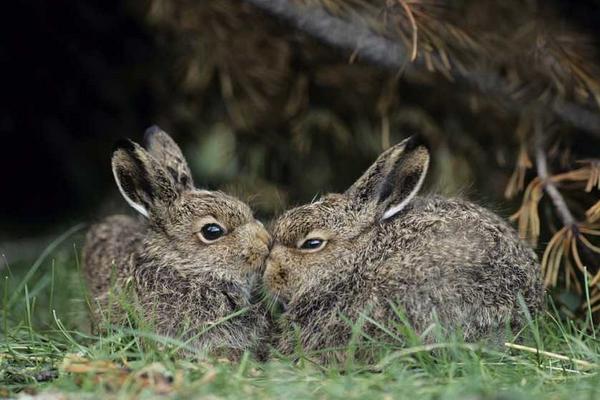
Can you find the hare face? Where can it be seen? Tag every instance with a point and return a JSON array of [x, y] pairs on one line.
[[311, 243], [316, 245], [190, 230], [211, 232], [442, 261], [193, 262]]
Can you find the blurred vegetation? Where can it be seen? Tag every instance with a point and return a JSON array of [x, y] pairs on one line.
[[47, 351], [272, 106], [495, 87]]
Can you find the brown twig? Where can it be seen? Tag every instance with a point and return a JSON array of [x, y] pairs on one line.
[[550, 188]]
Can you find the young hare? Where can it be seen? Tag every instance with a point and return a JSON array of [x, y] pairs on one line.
[[378, 245], [191, 261]]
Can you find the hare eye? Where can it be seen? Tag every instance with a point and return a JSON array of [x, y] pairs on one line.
[[209, 233], [313, 244]]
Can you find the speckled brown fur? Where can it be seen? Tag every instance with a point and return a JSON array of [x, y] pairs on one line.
[[179, 283], [439, 259]]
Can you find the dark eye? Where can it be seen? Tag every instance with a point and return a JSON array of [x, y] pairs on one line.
[[211, 232], [313, 244]]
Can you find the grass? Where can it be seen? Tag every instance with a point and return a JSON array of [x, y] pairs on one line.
[[46, 347]]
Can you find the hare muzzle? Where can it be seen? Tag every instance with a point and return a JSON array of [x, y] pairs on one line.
[[258, 244], [275, 277]]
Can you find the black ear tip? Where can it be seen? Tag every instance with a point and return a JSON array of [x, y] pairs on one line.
[[124, 144], [153, 130], [415, 141]]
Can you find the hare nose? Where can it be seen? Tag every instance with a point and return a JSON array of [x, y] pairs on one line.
[[262, 234]]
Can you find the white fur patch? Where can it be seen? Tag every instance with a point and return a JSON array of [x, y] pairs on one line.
[[136, 206], [390, 212]]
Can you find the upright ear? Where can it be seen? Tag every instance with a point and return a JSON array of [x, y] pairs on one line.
[[143, 182], [163, 148], [393, 180]]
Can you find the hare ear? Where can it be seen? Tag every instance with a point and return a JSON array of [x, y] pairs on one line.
[[163, 148], [141, 179], [393, 180]]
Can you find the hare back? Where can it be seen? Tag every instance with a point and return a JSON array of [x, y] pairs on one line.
[[109, 248], [454, 241], [439, 260], [461, 262]]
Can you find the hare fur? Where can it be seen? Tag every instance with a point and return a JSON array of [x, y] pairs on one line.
[[191, 260], [444, 261]]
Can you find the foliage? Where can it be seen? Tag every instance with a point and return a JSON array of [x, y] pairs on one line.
[[276, 109], [477, 79], [46, 349]]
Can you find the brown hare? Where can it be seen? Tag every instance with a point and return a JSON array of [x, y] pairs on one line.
[[378, 245], [191, 261]]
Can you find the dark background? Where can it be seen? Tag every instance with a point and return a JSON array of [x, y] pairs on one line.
[[77, 75], [73, 82]]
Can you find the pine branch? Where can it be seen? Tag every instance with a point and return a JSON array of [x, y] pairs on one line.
[[541, 162], [354, 36], [577, 116], [357, 37]]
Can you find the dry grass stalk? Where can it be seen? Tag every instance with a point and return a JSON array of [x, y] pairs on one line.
[[594, 178], [527, 215], [516, 182], [579, 363], [593, 215], [563, 251], [413, 23]]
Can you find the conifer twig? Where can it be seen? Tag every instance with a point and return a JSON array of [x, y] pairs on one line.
[[357, 37], [541, 163]]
